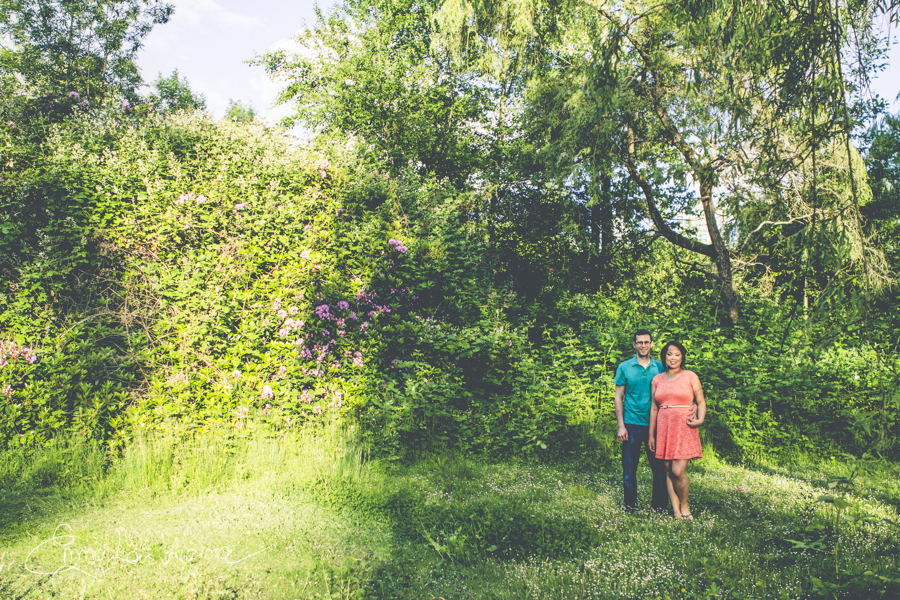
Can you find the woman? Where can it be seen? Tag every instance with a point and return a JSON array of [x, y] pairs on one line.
[[673, 430]]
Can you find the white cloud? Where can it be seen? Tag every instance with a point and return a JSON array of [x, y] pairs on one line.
[[194, 13]]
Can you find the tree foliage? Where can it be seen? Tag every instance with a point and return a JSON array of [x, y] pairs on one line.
[[238, 112], [715, 91], [76, 45], [174, 93], [367, 70]]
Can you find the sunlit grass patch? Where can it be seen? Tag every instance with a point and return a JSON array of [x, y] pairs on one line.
[[293, 515]]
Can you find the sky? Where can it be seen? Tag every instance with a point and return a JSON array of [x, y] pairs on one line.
[[207, 41]]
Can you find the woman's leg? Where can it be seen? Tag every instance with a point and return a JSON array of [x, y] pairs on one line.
[[680, 486], [673, 497]]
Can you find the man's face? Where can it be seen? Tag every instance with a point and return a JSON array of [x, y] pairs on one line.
[[643, 344]]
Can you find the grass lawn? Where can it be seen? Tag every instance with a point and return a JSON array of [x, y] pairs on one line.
[[305, 516]]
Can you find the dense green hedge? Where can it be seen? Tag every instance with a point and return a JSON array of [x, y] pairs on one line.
[[182, 270]]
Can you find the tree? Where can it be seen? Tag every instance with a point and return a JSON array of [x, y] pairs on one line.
[[60, 46], [883, 162], [239, 112], [714, 92], [367, 70], [174, 93]]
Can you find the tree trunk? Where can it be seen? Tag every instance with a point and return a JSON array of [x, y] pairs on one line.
[[722, 256]]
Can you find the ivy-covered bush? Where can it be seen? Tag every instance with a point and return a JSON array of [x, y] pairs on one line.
[[182, 272]]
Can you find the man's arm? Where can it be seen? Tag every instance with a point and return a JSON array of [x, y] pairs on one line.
[[620, 413], [654, 413]]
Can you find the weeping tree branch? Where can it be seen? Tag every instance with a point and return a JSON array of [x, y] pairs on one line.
[[661, 226]]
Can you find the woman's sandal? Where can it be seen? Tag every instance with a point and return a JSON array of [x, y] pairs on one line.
[[687, 516]]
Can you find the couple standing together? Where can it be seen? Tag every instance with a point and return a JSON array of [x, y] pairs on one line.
[[660, 406]]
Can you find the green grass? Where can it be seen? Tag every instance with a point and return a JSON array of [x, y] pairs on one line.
[[276, 515]]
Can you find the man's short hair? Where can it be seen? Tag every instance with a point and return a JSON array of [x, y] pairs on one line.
[[642, 332], [665, 350]]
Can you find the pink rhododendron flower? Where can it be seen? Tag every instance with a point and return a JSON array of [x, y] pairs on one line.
[[236, 374], [353, 316], [398, 246], [200, 199], [74, 96], [281, 313], [242, 411], [305, 255], [179, 201], [293, 310], [307, 227], [282, 370], [340, 322], [283, 332], [343, 304], [240, 206], [276, 304], [305, 397], [7, 391], [267, 392]]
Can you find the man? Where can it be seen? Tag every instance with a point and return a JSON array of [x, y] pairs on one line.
[[633, 379]]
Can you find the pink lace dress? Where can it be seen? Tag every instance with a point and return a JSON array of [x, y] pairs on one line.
[[674, 439]]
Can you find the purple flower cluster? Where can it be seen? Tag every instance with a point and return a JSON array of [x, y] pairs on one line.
[[10, 352], [322, 166], [187, 197], [398, 246]]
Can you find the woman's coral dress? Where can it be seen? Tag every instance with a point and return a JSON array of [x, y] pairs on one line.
[[674, 439]]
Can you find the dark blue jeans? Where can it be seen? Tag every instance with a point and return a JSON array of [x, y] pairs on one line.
[[631, 454]]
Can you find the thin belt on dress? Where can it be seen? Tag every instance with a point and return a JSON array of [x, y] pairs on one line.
[[677, 406]]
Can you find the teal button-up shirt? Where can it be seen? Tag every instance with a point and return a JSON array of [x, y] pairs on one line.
[[636, 379]]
